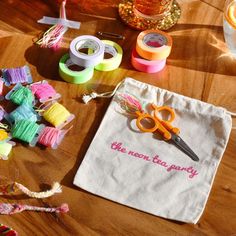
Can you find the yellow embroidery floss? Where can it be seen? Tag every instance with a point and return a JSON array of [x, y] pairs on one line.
[[3, 135], [56, 114]]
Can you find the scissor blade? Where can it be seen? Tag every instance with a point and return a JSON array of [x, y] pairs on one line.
[[184, 147]]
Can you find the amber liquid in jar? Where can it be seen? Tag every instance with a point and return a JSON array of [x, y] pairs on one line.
[[152, 8]]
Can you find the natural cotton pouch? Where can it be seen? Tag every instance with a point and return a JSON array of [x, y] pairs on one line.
[[143, 172]]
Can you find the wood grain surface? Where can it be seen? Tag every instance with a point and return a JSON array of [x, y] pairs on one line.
[[199, 67]]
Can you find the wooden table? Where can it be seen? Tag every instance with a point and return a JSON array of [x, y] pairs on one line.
[[198, 67]]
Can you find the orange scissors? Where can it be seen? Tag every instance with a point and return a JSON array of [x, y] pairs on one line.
[[164, 127]]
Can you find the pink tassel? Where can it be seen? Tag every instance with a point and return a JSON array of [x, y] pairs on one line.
[[10, 209], [129, 104], [64, 208]]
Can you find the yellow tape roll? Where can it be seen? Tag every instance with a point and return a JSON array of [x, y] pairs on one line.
[[112, 63], [153, 44]]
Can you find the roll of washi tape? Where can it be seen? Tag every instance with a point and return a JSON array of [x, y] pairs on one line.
[[72, 76], [112, 63], [96, 47], [153, 44], [145, 65]]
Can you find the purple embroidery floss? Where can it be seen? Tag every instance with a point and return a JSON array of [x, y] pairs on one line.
[[2, 112], [17, 75]]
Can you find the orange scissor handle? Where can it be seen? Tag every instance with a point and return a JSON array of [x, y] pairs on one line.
[[166, 123], [157, 126]]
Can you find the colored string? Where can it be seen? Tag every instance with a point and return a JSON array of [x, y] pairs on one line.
[[23, 112], [9, 209], [17, 75], [7, 231], [56, 114], [22, 95], [14, 187], [1, 87], [87, 97], [5, 149], [129, 104], [25, 130], [43, 91], [50, 136], [53, 36]]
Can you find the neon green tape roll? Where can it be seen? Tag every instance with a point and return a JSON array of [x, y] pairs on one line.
[[112, 63], [71, 76]]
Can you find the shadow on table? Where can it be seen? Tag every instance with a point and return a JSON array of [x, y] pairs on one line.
[[45, 60], [201, 48]]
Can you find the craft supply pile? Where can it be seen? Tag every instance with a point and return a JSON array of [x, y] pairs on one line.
[[37, 116], [89, 53]]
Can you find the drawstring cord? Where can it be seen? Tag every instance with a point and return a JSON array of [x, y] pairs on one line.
[[232, 114], [88, 97]]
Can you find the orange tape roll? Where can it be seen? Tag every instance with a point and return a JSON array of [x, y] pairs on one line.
[[153, 44]]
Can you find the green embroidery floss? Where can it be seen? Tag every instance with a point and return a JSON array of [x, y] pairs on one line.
[[25, 130], [22, 95]]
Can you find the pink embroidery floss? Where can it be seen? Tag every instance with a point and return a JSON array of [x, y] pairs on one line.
[[53, 36], [11, 188], [51, 137], [10, 209], [129, 104], [1, 87], [43, 91]]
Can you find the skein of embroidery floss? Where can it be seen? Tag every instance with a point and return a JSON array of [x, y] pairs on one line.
[[53, 36], [9, 209], [26, 130], [17, 75], [20, 94], [14, 187], [51, 137], [22, 112], [57, 115], [44, 92]]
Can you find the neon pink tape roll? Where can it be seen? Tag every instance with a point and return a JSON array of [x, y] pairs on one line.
[[145, 65]]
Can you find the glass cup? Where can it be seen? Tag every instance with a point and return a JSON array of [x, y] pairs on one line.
[[229, 25], [152, 9]]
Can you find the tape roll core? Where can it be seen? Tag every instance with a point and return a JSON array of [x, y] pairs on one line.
[[71, 76], [95, 47], [153, 45]]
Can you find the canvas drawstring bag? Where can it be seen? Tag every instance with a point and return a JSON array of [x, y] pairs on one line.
[[144, 172]]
